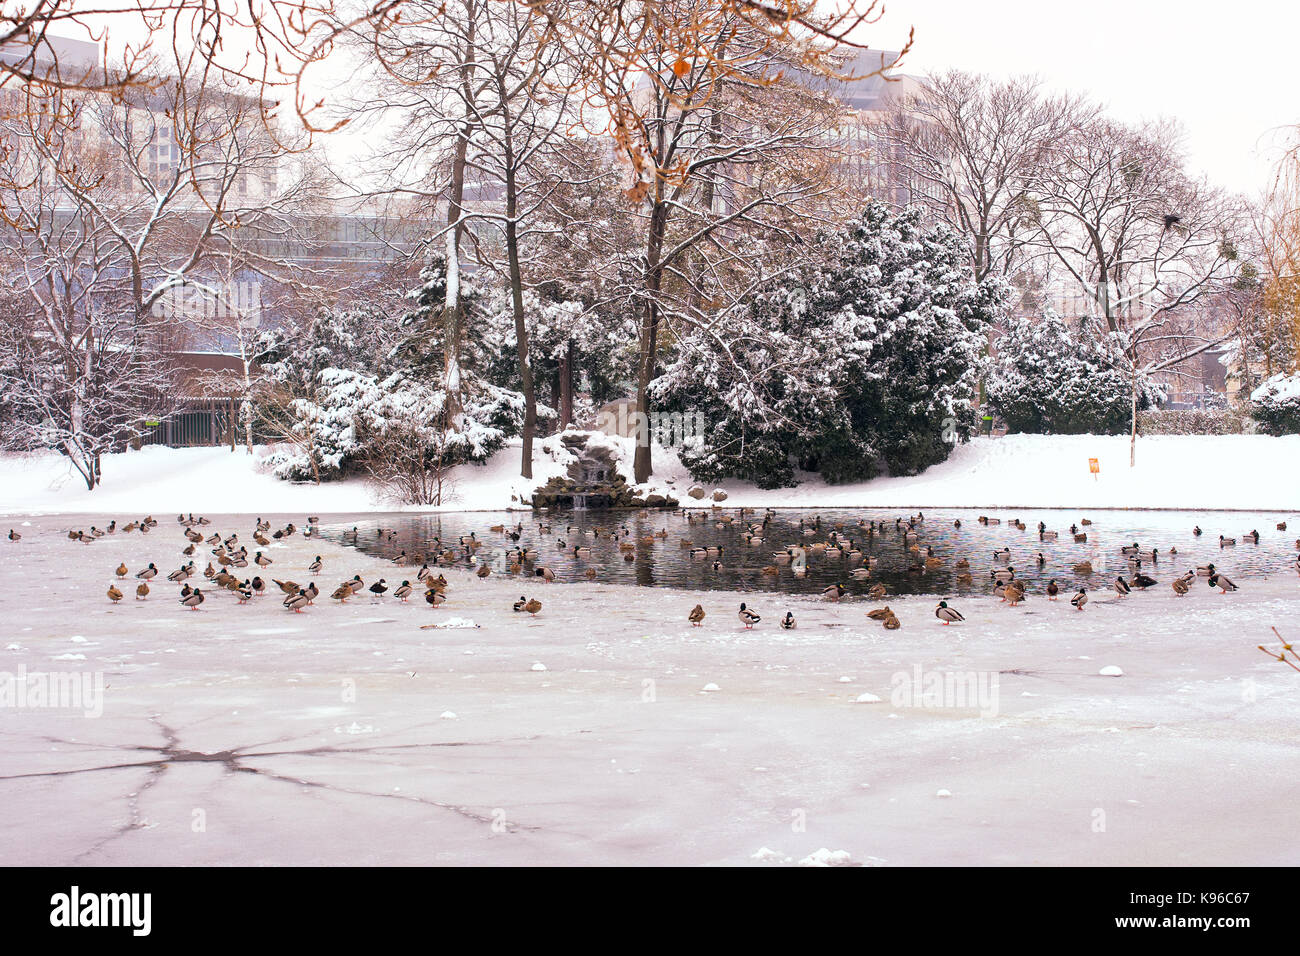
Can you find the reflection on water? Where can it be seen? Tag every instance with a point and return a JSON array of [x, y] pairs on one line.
[[666, 561]]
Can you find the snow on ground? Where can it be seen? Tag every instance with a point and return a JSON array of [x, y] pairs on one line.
[[1250, 472], [248, 734]]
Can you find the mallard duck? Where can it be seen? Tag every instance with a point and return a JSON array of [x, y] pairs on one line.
[[1003, 554], [1180, 585], [1083, 567], [1003, 575], [1085, 521], [880, 613], [947, 614], [343, 592], [1222, 583], [14, 535], [1226, 542], [245, 592], [356, 584], [1121, 586], [296, 602], [182, 573], [962, 564], [1252, 536], [483, 571], [1015, 592], [1197, 531], [546, 574], [892, 623], [142, 591], [748, 617], [193, 599], [533, 606], [833, 592], [1141, 581], [1053, 590], [1281, 526], [379, 588], [1047, 535], [259, 586], [114, 594], [122, 570], [860, 574], [696, 617], [1204, 570], [263, 561], [288, 587], [1081, 537], [148, 574], [965, 578], [877, 591], [1080, 599], [434, 597]]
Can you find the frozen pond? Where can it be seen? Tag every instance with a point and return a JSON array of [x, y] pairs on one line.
[[661, 558]]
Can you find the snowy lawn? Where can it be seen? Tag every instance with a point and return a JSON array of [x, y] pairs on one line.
[[1246, 472], [607, 730]]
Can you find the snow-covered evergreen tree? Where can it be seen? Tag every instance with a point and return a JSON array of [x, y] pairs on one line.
[[1277, 404], [1053, 377], [353, 375], [866, 360]]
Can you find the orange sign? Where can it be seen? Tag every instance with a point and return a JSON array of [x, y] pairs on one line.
[[1093, 465]]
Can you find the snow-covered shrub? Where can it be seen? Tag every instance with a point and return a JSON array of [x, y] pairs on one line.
[[1277, 404], [1192, 421], [865, 360], [352, 376], [1052, 377]]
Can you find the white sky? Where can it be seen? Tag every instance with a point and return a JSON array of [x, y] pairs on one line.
[[1229, 71]]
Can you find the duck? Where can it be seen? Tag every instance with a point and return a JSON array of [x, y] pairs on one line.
[[533, 606], [148, 574], [880, 613], [259, 586], [182, 573], [296, 602], [1083, 567], [1053, 590], [316, 565], [1180, 586], [14, 535], [1003, 575], [1080, 599], [1252, 536], [1015, 592], [1226, 542], [1204, 570], [288, 587], [356, 584], [342, 593], [142, 591], [379, 588], [263, 561], [1197, 531], [833, 592], [1081, 537], [518, 606], [434, 597], [1002, 555], [403, 591], [1130, 548], [860, 574], [1047, 535], [748, 617], [947, 614], [546, 574], [877, 591], [1281, 526], [892, 623], [1121, 586], [245, 592], [1141, 581], [483, 571], [192, 600], [1222, 583], [114, 594]]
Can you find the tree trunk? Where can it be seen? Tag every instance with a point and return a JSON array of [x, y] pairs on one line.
[[453, 309], [566, 386], [521, 326], [649, 338], [1133, 435]]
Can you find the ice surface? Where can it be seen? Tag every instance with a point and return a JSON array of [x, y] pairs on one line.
[[268, 737]]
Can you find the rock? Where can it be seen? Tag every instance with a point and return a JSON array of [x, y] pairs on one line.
[[719, 494], [655, 501], [696, 492]]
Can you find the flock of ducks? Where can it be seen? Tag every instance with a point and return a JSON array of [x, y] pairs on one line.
[[232, 567]]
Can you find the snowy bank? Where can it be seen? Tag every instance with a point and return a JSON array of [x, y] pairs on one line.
[[1249, 472]]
